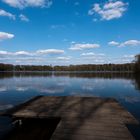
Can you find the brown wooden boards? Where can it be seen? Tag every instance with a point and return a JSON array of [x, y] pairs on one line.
[[82, 118]]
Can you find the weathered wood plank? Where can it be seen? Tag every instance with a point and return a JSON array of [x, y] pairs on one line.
[[63, 136], [82, 117]]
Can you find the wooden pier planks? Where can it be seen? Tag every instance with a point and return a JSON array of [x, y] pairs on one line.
[[83, 118]]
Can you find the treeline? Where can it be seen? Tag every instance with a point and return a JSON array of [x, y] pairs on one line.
[[129, 67], [137, 64]]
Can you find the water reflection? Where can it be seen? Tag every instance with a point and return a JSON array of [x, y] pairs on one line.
[[137, 81], [18, 87], [108, 75], [52, 90], [105, 75], [4, 107]]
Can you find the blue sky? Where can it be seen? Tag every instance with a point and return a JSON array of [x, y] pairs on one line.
[[63, 32]]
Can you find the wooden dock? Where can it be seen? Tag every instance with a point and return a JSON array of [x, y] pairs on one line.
[[81, 118]]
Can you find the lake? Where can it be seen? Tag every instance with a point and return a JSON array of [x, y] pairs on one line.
[[16, 88]]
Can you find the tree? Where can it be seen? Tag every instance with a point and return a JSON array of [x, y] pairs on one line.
[[137, 64]]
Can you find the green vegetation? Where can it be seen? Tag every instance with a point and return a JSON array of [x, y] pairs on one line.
[[89, 67], [137, 64]]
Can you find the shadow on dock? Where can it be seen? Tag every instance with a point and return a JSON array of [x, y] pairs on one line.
[[32, 129], [71, 118]]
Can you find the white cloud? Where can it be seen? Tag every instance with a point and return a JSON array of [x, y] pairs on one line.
[[28, 3], [4, 53], [63, 58], [42, 57], [4, 35], [21, 57], [50, 51], [113, 43], [18, 53], [28, 60], [128, 43], [129, 56], [23, 53], [92, 54], [93, 57], [88, 54], [23, 18], [83, 46], [7, 14], [35, 54], [110, 10], [126, 58]]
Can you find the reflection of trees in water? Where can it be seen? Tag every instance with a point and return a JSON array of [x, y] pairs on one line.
[[137, 81], [137, 71], [108, 75], [137, 64], [105, 75], [24, 74]]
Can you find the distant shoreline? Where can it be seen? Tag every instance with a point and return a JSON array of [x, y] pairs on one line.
[[66, 71], [95, 68]]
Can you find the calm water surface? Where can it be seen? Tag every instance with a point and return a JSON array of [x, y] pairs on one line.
[[16, 88]]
